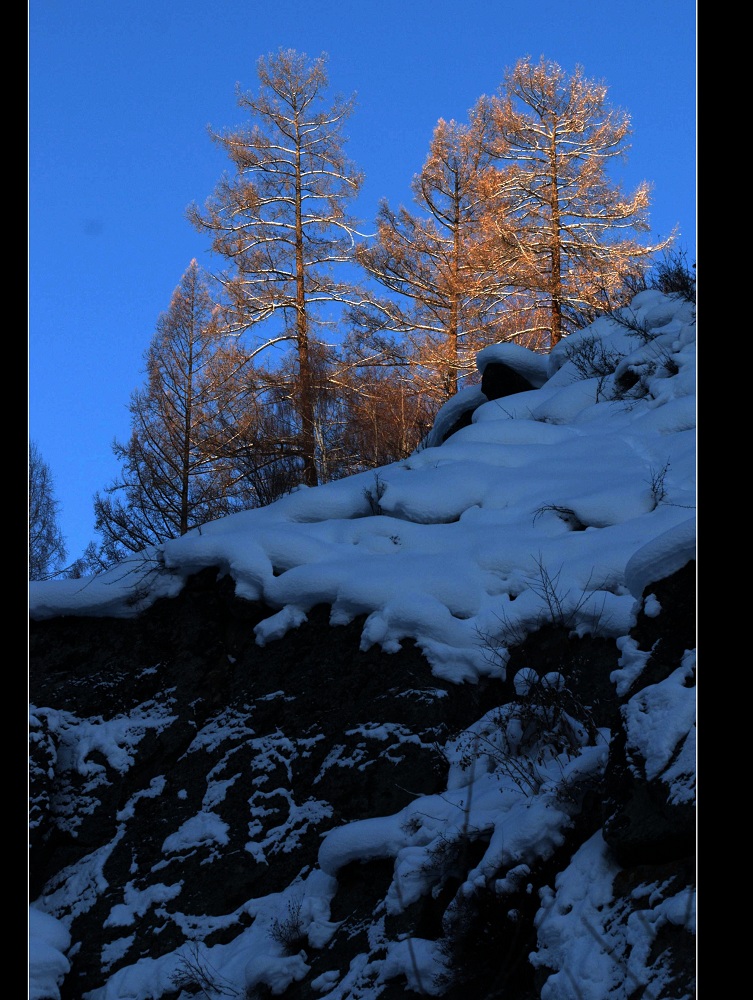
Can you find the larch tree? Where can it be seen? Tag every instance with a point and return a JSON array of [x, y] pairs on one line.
[[261, 427], [46, 544], [440, 304], [554, 136], [175, 475], [281, 223], [385, 416]]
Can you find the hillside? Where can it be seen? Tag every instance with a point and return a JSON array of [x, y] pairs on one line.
[[426, 730]]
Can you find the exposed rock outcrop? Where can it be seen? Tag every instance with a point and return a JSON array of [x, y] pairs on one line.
[[270, 747]]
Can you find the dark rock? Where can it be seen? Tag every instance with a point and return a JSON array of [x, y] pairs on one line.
[[253, 726], [499, 380]]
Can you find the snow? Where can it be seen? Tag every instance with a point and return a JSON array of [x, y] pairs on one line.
[[597, 960], [659, 720], [48, 942], [563, 503]]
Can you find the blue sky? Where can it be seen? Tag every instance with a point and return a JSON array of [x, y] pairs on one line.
[[120, 96]]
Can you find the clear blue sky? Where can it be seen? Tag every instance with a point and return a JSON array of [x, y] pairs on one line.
[[120, 96]]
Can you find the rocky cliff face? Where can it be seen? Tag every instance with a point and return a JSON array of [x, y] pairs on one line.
[[233, 759]]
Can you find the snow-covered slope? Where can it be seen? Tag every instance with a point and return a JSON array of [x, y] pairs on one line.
[[546, 497], [556, 508]]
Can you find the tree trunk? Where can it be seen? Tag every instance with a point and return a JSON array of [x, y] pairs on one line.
[[306, 393]]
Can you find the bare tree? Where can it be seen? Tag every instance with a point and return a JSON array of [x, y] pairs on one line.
[[386, 417], [440, 303], [46, 545], [281, 224], [555, 136], [175, 474], [259, 429]]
